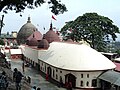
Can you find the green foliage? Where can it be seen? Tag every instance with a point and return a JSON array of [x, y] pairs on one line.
[[115, 47], [117, 51], [19, 5], [2, 42], [92, 28]]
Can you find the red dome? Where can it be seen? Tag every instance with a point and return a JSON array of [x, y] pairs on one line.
[[43, 44], [33, 42], [37, 35], [51, 36], [69, 40]]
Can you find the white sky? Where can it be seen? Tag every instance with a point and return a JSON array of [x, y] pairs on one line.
[[41, 17]]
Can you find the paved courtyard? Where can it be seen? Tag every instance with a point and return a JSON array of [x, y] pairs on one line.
[[37, 79]]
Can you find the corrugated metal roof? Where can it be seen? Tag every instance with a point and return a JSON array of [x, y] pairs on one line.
[[117, 82], [110, 76]]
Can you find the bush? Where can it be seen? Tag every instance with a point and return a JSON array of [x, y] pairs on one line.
[[2, 42]]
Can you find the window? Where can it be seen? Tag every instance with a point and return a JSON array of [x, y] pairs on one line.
[[94, 82], [56, 76], [41, 68], [81, 83], [53, 73], [45, 68], [56, 70], [81, 75], [87, 75], [60, 78], [60, 71], [87, 84]]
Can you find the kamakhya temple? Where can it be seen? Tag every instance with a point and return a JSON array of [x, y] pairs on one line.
[[66, 61]]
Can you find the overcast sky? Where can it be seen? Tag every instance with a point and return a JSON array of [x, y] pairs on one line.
[[41, 17]]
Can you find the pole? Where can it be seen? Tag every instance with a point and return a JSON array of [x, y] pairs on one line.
[[1, 24]]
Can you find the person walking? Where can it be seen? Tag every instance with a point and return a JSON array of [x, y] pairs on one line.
[[29, 79], [23, 67], [17, 77], [33, 88], [38, 88], [3, 81]]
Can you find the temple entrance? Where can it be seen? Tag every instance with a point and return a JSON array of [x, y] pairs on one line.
[[70, 78], [49, 71]]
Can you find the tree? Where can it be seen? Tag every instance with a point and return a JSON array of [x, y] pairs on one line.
[[2, 42], [19, 5], [92, 28]]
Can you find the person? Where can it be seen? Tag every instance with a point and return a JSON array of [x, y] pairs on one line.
[[70, 86], [61, 82], [23, 67], [47, 76], [29, 79], [17, 77], [33, 88], [3, 81], [38, 88]]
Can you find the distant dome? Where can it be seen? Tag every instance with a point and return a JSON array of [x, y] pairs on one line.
[[51, 36], [25, 31], [43, 44], [33, 42], [69, 40], [37, 35]]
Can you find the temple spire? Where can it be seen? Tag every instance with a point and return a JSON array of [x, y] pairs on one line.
[[29, 20], [51, 26]]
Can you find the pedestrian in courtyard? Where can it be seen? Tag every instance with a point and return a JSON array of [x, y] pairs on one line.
[[38, 88], [29, 79], [17, 77], [61, 82], [3, 81], [33, 88], [47, 76], [69, 86], [23, 67]]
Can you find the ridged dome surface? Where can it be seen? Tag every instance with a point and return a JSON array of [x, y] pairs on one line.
[[25, 31], [37, 35], [69, 40], [51, 36], [33, 42], [43, 44]]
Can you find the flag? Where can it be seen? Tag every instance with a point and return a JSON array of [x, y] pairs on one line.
[[53, 17]]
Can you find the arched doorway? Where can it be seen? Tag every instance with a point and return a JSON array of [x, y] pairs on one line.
[[70, 78], [49, 71]]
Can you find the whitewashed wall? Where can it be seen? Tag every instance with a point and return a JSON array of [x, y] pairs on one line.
[[15, 51], [41, 52], [31, 53], [85, 79]]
